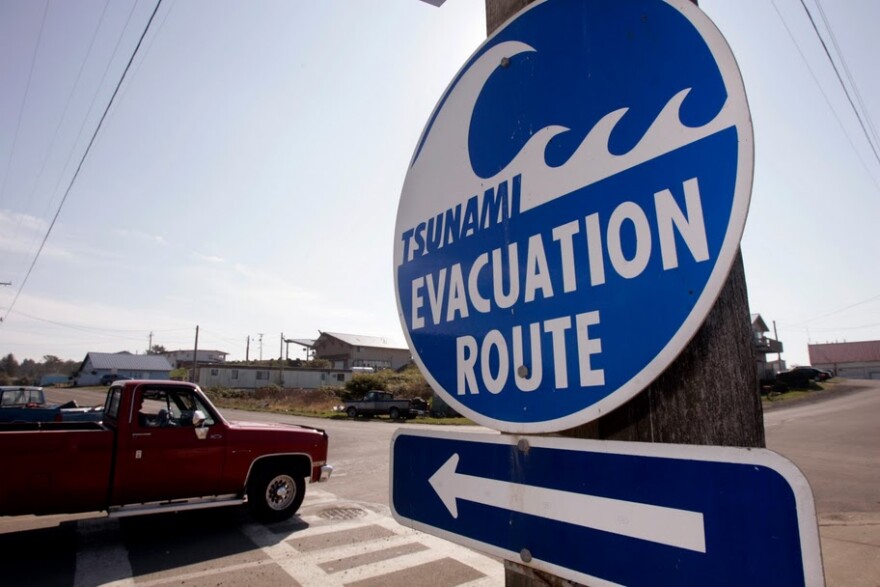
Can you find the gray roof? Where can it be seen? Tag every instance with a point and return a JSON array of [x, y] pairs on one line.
[[190, 351], [129, 362], [758, 323], [306, 342], [866, 351], [375, 342]]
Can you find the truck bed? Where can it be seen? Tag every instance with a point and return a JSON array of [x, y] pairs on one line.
[[84, 426], [54, 467]]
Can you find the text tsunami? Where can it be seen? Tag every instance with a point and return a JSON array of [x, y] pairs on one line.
[[452, 293], [497, 206]]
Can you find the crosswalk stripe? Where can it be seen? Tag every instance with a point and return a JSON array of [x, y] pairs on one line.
[[313, 551]]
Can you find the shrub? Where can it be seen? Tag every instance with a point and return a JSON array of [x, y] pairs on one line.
[[179, 374], [361, 383], [408, 383], [311, 364]]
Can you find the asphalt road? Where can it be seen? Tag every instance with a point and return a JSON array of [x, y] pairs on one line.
[[836, 444], [359, 451], [832, 437]]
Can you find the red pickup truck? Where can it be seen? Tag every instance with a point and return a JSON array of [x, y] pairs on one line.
[[162, 446]]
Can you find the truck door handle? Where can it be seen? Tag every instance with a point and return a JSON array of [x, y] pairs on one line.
[[136, 434], [216, 436]]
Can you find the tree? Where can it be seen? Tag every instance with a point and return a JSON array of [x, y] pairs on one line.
[[9, 365], [156, 349], [51, 363]]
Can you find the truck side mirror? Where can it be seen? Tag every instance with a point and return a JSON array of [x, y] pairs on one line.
[[198, 421]]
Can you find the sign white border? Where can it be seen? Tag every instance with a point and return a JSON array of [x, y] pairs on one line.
[[808, 528], [738, 103]]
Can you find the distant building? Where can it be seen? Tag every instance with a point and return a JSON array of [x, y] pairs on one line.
[[202, 356], [856, 360], [122, 364], [346, 351], [308, 345], [257, 376], [53, 379], [764, 345]]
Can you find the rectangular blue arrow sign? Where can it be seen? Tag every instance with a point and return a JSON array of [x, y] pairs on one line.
[[609, 513]]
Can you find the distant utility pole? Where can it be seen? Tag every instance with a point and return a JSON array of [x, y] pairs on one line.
[[150, 344], [779, 354], [192, 375], [247, 349], [260, 334], [281, 360]]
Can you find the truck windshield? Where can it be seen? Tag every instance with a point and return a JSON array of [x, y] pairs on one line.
[[21, 397]]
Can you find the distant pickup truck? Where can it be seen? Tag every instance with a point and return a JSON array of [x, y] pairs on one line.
[[161, 447], [28, 404], [379, 403]]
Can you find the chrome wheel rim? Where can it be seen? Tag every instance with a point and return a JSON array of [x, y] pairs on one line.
[[280, 492]]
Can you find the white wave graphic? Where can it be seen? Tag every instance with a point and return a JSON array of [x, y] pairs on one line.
[[441, 175]]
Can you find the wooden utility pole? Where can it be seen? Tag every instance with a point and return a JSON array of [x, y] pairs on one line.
[[709, 395], [194, 376]]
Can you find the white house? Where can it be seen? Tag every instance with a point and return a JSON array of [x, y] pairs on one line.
[[256, 376], [765, 345], [202, 356], [356, 350], [856, 360], [123, 364]]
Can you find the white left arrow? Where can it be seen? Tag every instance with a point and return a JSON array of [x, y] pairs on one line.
[[663, 525]]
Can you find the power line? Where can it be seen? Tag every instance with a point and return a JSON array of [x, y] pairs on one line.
[[840, 79], [82, 161], [848, 73], [82, 126], [95, 329], [838, 311], [825, 96], [27, 91], [55, 134]]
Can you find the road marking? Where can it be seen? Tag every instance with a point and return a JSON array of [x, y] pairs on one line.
[[312, 567], [102, 558], [672, 527]]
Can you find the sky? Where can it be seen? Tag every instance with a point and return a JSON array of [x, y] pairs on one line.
[[246, 178]]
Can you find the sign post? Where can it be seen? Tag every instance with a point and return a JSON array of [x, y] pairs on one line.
[[567, 251]]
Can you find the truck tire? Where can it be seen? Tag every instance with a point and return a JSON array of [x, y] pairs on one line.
[[352, 412], [394, 413], [275, 494]]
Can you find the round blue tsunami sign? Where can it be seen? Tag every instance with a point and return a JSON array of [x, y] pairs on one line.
[[572, 210]]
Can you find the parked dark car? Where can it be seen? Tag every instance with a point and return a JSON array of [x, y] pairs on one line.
[[801, 377], [109, 378], [813, 373]]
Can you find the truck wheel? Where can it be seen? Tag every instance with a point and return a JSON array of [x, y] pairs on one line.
[[394, 413], [352, 412], [276, 495]]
